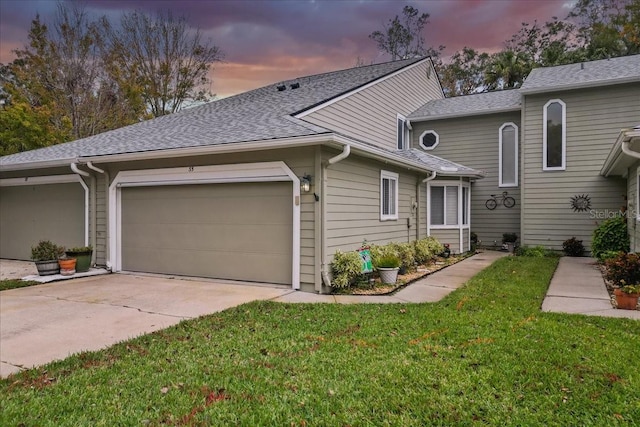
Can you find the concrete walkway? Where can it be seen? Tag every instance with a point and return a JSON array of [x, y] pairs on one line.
[[577, 287], [431, 288]]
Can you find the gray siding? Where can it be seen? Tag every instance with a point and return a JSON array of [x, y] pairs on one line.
[[301, 162], [594, 119], [353, 205], [100, 245], [448, 236], [474, 142], [371, 114]]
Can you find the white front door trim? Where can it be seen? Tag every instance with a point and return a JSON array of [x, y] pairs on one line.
[[188, 175]]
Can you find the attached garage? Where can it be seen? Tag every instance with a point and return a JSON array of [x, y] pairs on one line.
[[238, 231], [236, 222], [41, 208]]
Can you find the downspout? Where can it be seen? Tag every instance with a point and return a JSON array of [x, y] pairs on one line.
[[74, 168], [94, 201], [346, 150], [424, 181]]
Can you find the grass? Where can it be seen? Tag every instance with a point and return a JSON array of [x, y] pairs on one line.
[[16, 283], [485, 355]]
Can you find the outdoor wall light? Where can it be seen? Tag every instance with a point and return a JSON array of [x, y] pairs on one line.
[[305, 183]]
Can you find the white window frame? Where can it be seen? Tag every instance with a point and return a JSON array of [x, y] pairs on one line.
[[564, 136], [638, 194], [446, 226], [402, 139], [390, 176], [515, 128], [428, 132]]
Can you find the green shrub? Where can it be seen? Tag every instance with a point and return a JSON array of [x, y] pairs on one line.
[[427, 249], [608, 255], [535, 252], [378, 251], [407, 254], [46, 250], [611, 235], [623, 269], [509, 237], [573, 247], [346, 268], [388, 261]]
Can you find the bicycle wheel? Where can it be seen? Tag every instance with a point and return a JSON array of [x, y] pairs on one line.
[[491, 204], [509, 202]]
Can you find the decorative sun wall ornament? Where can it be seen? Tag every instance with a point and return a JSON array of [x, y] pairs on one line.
[[581, 203]]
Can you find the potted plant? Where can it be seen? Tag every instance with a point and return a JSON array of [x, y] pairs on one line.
[[509, 241], [46, 254], [388, 267], [82, 254], [67, 266], [627, 296]]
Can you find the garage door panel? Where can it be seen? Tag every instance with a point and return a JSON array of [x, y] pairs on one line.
[[32, 213], [237, 231]]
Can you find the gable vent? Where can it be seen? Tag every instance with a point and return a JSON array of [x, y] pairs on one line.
[[281, 88], [295, 85]]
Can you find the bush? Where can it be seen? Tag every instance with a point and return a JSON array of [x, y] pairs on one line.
[[427, 249], [536, 252], [346, 268], [623, 269], [406, 252], [509, 237], [608, 255], [611, 235], [377, 252], [46, 250], [573, 247]]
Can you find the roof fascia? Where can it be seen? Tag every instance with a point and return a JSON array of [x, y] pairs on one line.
[[584, 85], [38, 165], [471, 113], [338, 98], [617, 162]]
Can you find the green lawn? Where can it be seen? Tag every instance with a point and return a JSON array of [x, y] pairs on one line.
[[16, 283], [484, 355]]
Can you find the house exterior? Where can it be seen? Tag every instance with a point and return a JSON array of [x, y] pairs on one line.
[[215, 191], [543, 144], [266, 185]]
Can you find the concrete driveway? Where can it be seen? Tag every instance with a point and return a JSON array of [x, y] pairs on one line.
[[43, 323]]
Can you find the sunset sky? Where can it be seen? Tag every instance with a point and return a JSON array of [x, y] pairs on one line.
[[272, 40]]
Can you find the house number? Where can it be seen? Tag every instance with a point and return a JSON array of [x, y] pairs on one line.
[[190, 168]]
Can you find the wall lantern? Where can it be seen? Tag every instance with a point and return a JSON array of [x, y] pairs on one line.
[[305, 183]]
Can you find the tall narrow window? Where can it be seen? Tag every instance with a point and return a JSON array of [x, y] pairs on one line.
[[508, 172], [388, 195], [554, 135], [402, 133], [465, 205], [437, 205]]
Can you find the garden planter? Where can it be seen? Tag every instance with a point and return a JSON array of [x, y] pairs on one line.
[[48, 268], [83, 260], [626, 301], [67, 266], [388, 275]]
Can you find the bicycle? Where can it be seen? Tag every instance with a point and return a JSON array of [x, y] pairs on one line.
[[507, 201]]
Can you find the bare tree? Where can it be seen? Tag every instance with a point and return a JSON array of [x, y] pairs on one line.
[[161, 58], [402, 37]]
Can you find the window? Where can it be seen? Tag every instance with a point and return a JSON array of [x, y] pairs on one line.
[[402, 133], [388, 196], [554, 135], [449, 204], [429, 139], [508, 155], [638, 195]]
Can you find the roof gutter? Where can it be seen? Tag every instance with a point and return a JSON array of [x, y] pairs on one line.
[[467, 114], [38, 165], [572, 86], [621, 147]]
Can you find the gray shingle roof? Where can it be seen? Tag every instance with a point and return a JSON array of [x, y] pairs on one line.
[[466, 105], [440, 165], [592, 73], [259, 114]]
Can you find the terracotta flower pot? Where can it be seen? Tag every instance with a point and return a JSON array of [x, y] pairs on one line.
[[626, 301], [67, 266]]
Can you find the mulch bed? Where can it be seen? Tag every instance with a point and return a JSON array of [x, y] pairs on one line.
[[377, 288]]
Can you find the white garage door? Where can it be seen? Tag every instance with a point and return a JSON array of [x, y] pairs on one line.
[[239, 231]]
